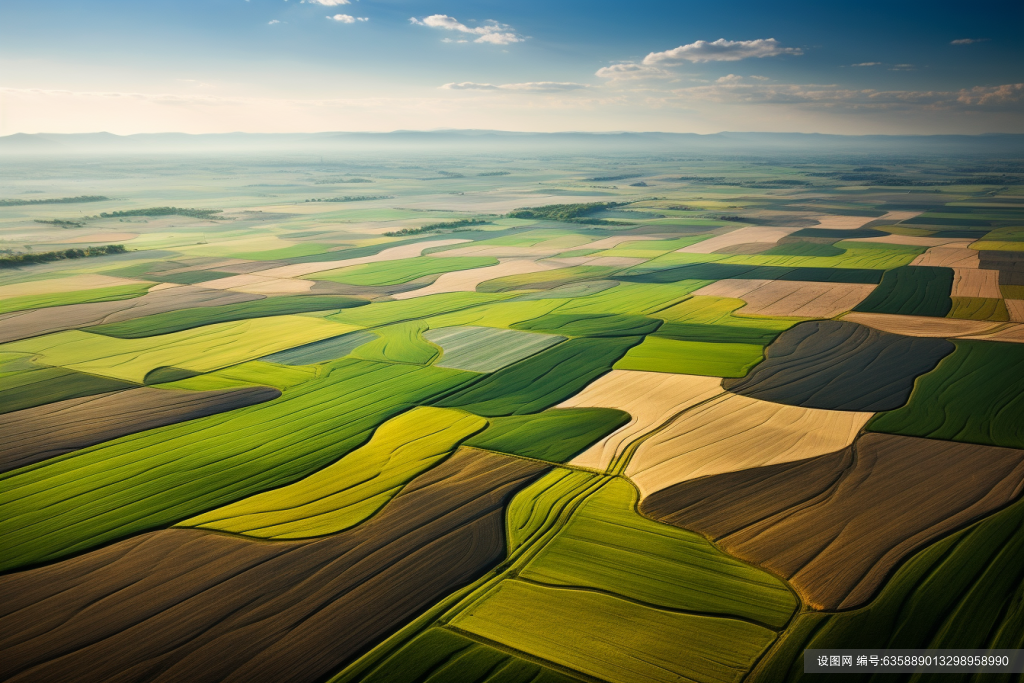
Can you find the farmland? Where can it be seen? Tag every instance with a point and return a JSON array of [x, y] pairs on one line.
[[514, 419]]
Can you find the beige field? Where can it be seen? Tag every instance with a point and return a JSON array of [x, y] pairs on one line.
[[783, 298], [976, 282], [615, 240], [732, 433], [258, 284], [605, 261], [498, 251], [467, 280], [73, 283], [921, 326], [392, 254], [949, 257], [1015, 307], [650, 398], [1005, 332], [741, 236]]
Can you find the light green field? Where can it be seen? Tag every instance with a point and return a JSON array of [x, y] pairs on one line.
[[86, 296], [352, 489], [401, 343], [658, 354], [201, 349], [401, 271], [486, 349]]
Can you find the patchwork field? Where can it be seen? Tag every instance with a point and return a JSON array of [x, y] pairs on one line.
[[506, 419]]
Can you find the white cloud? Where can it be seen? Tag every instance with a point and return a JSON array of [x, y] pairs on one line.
[[630, 71], [328, 3], [731, 78], [537, 86], [721, 50], [868, 64], [968, 41], [490, 32], [273, 21], [346, 18]]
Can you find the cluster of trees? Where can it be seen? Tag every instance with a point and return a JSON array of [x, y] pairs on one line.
[[435, 227], [62, 200], [357, 198], [46, 256], [165, 211], [62, 223], [609, 178], [569, 213]]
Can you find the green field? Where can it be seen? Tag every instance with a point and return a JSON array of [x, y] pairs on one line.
[[401, 271], [661, 354], [87, 296], [554, 435]]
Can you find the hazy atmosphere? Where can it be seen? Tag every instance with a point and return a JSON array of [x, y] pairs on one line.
[[212, 66]]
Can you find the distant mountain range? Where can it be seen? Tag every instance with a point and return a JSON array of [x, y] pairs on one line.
[[505, 142]]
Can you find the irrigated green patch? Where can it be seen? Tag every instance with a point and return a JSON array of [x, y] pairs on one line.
[[975, 308], [161, 476], [975, 394], [355, 487], [189, 277], [86, 296], [591, 325], [175, 321], [729, 334], [660, 354], [543, 380], [552, 435], [545, 279], [253, 373], [401, 343], [402, 270], [607, 546], [913, 290], [388, 312], [486, 349], [320, 351]]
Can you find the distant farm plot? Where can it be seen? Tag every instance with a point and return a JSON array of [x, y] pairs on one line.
[[486, 349]]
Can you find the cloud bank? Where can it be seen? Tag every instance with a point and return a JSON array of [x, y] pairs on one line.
[[491, 32], [346, 18], [721, 50], [538, 86]]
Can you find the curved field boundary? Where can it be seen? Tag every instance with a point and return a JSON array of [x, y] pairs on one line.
[[354, 488], [546, 279], [24, 324], [61, 299], [591, 324], [975, 395], [486, 349], [570, 291], [400, 343], [253, 283], [214, 607], [920, 326], [614, 639], [543, 380], [467, 281], [714, 359], [948, 257], [176, 321], [837, 365], [734, 432], [402, 270], [789, 298], [67, 285], [973, 308], [911, 290], [38, 387], [961, 592], [553, 435], [50, 430], [836, 526], [321, 351], [391, 254], [158, 477], [201, 350], [607, 546], [650, 398]]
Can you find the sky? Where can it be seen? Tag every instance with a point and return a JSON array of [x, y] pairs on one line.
[[283, 66]]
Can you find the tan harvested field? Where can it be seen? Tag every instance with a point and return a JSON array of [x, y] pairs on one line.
[[921, 326], [740, 236], [785, 298], [392, 254], [949, 257], [731, 433], [196, 606], [615, 240], [163, 285], [1012, 332], [913, 241], [72, 283], [467, 280], [258, 284], [975, 282], [650, 398], [159, 299], [605, 261], [49, 430], [497, 251], [1015, 307], [854, 222], [836, 526]]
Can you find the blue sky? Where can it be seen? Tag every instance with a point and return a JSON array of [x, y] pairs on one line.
[[291, 66]]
